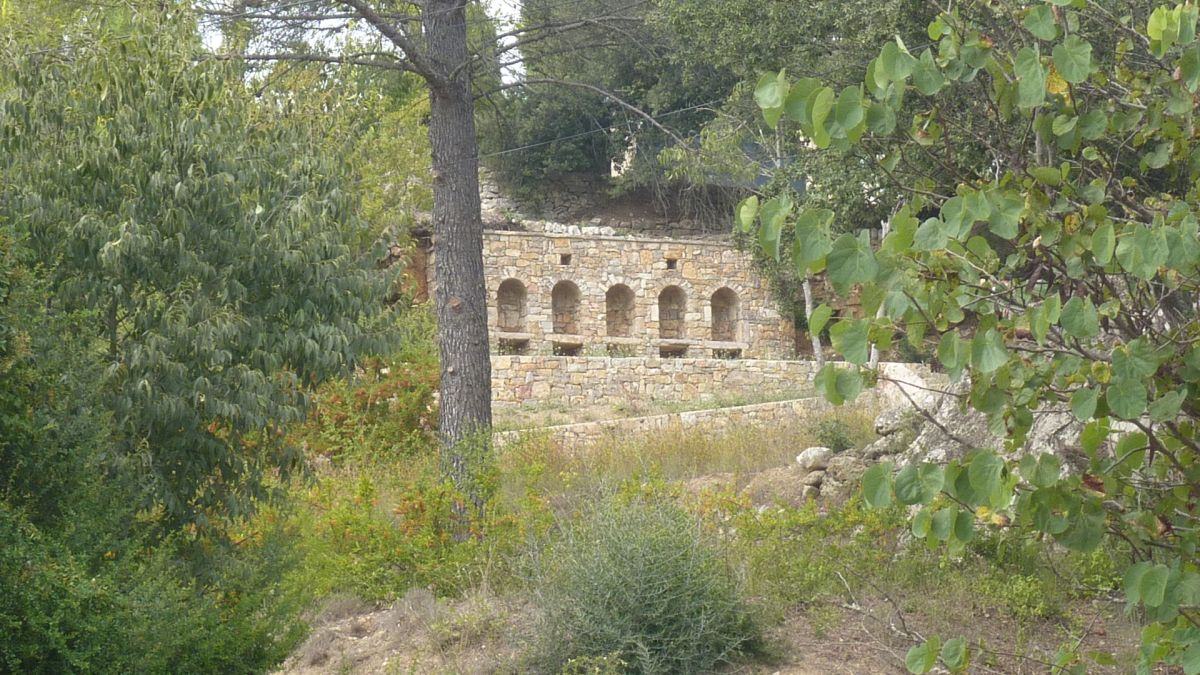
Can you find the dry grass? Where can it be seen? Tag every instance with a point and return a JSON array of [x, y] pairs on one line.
[[510, 418], [549, 468]]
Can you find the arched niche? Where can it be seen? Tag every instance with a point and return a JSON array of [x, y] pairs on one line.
[[510, 306], [618, 310], [725, 315], [672, 307], [564, 303]]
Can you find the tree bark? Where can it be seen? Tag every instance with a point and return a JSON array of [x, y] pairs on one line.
[[818, 352], [465, 414]]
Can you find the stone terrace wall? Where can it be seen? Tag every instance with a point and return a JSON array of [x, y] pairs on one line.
[[719, 419], [594, 265], [602, 380]]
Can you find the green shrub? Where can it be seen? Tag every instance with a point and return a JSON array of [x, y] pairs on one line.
[[638, 583], [834, 434]]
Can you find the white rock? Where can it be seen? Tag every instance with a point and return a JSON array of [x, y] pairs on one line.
[[814, 458]]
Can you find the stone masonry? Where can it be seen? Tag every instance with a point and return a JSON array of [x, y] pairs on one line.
[[572, 295], [579, 381]]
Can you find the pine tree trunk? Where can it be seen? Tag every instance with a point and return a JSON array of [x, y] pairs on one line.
[[460, 294]]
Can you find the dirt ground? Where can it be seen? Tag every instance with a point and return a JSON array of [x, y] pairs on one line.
[[486, 634]]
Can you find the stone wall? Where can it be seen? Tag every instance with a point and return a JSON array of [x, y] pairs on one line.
[[570, 285], [606, 381], [715, 420]]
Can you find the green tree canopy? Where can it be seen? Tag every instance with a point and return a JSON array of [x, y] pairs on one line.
[[216, 242], [1059, 274]]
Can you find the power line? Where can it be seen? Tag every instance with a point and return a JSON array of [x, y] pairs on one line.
[[592, 131]]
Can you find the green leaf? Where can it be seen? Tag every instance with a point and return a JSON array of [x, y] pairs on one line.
[[954, 653], [848, 383], [1047, 175], [1005, 217], [1103, 243], [1189, 68], [799, 98], [747, 212], [1083, 403], [820, 316], [1166, 407], [1073, 59], [1153, 585], [894, 63], [849, 111], [930, 236], [1126, 398], [942, 524], [964, 526], [1064, 124], [774, 213], [921, 658], [881, 119], [811, 243], [986, 474], [877, 485], [953, 353], [1079, 318], [988, 352], [1031, 79], [1040, 22], [822, 105], [1142, 251], [851, 262], [927, 77], [850, 339], [770, 94], [918, 484]]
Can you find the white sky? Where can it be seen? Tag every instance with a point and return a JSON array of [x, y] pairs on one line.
[[506, 13]]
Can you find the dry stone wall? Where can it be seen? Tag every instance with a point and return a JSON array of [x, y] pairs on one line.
[[590, 295], [719, 419], [579, 381]]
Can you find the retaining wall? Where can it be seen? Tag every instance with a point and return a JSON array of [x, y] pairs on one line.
[[717, 419], [589, 380]]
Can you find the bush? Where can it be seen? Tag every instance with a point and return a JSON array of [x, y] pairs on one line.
[[834, 434], [638, 583]]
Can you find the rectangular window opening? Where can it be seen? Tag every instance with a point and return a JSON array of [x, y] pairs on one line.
[[564, 259], [514, 347], [672, 352], [672, 263], [567, 350], [728, 354]]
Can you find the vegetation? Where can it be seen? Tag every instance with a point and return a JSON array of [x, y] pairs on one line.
[[1059, 274], [636, 582]]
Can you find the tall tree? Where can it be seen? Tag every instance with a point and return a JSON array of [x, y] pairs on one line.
[[218, 246], [432, 39]]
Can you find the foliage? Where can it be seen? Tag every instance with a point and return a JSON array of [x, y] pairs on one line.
[[217, 250], [1060, 272], [834, 434], [572, 129], [637, 581], [83, 586]]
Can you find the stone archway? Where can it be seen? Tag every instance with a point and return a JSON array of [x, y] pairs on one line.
[[564, 304], [510, 306], [618, 310], [672, 308], [725, 315]]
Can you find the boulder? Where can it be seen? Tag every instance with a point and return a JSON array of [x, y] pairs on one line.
[[814, 458], [814, 478], [784, 485]]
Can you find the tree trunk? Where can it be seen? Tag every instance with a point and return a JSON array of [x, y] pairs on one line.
[[818, 353], [460, 294]]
